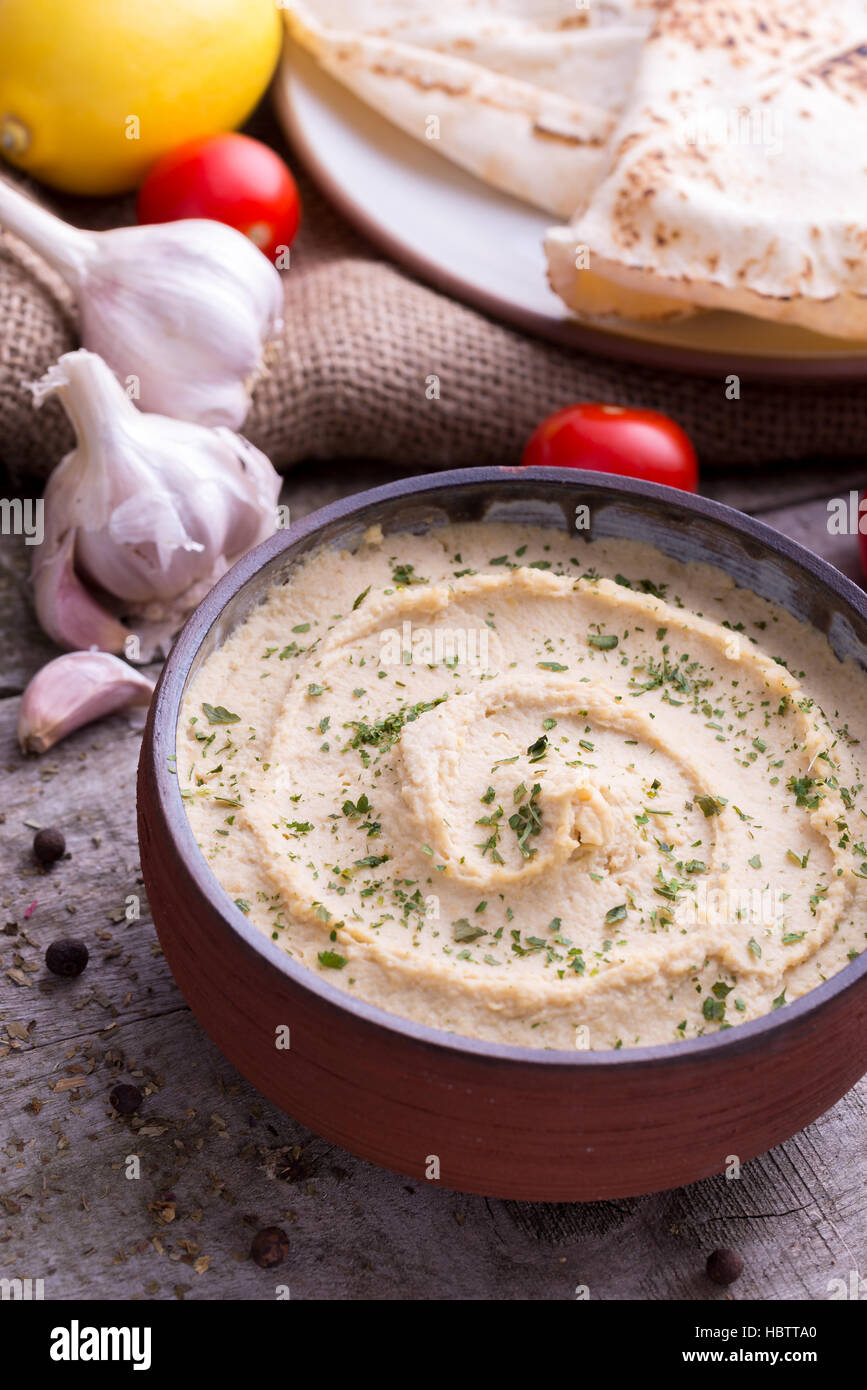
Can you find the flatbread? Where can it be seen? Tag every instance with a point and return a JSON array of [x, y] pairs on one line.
[[738, 174], [586, 54], [523, 93]]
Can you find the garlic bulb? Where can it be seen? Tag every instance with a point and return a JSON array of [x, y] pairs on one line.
[[143, 517], [181, 311], [73, 690]]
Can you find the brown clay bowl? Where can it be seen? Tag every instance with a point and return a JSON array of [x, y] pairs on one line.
[[503, 1121]]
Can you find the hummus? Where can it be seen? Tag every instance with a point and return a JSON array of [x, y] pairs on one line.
[[534, 789]]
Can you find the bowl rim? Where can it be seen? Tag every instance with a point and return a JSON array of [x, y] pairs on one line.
[[160, 735]]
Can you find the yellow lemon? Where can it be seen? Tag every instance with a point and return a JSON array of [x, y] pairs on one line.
[[93, 91]]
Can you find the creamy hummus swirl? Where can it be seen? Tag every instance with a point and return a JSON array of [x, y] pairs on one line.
[[476, 781]]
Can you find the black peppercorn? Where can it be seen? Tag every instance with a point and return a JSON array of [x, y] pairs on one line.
[[126, 1099], [724, 1266], [270, 1247], [49, 845], [66, 956]]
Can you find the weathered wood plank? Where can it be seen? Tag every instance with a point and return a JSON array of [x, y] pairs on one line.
[[87, 788], [220, 1161], [23, 646], [767, 489], [217, 1161]]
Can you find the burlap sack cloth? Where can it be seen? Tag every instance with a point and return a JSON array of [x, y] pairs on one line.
[[361, 338]]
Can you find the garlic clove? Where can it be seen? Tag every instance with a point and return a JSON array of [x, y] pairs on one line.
[[73, 690], [70, 615], [181, 311]]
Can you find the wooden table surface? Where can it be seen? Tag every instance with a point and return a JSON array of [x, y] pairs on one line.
[[217, 1161]]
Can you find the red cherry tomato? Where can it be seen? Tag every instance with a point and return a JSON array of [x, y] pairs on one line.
[[613, 439], [228, 178]]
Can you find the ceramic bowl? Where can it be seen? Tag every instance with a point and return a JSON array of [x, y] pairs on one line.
[[499, 1120]]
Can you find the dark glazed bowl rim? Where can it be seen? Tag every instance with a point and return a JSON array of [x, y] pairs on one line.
[[744, 1037]]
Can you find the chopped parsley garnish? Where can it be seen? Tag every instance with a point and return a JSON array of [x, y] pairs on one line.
[[331, 960], [807, 791], [405, 575], [714, 1010], [218, 714], [384, 733], [467, 931], [527, 821], [493, 822], [538, 749]]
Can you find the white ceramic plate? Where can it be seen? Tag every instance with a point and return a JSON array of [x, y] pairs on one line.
[[485, 248]]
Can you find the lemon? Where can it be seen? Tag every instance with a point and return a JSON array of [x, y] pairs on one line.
[[93, 91]]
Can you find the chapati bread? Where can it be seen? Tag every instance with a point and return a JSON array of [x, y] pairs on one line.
[[523, 93], [738, 175]]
